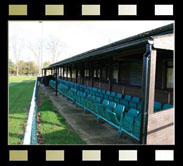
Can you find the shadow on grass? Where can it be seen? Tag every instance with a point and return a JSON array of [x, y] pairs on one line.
[[14, 137], [62, 137], [20, 82]]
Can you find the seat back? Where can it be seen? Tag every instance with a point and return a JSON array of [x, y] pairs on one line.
[[98, 100], [108, 93], [167, 106], [139, 107], [157, 106], [124, 102], [127, 97], [99, 91], [113, 94], [136, 127], [111, 106], [103, 91], [135, 99], [133, 112], [132, 105], [119, 95], [105, 102], [93, 98], [119, 110]]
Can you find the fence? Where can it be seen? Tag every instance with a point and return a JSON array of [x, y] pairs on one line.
[[30, 136]]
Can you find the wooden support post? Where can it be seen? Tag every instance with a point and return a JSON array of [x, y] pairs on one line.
[[110, 76], [152, 81], [71, 73], [100, 79], [148, 89], [64, 73], [82, 74], [67, 78], [76, 74], [91, 73]]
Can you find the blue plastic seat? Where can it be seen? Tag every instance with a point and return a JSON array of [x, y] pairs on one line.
[[136, 127], [125, 103], [101, 95], [118, 98], [110, 98], [167, 106], [99, 90], [129, 119], [97, 101], [87, 99], [127, 97], [103, 92], [117, 116], [118, 110], [132, 105], [136, 100], [108, 93], [139, 107], [113, 94], [157, 106], [100, 107], [90, 102], [110, 107], [82, 100]]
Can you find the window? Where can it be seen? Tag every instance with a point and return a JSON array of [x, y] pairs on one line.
[[79, 75], [104, 74], [115, 74], [65, 72], [169, 75], [87, 73], [73, 73], [135, 75], [96, 74], [69, 73]]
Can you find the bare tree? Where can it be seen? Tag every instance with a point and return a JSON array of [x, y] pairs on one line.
[[17, 47], [55, 47], [36, 50]]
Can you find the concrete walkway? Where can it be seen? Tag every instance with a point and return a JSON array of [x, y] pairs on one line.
[[85, 123]]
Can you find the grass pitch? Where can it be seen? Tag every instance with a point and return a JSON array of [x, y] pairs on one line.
[[20, 95]]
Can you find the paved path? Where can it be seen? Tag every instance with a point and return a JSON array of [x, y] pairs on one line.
[[85, 123]]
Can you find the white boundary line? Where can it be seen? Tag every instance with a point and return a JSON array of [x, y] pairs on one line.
[[28, 131]]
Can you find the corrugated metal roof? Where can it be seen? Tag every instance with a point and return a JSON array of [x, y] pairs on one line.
[[139, 39]]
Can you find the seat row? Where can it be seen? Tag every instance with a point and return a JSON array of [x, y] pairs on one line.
[[123, 112], [111, 112], [127, 100]]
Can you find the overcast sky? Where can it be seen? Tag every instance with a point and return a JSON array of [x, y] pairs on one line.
[[75, 36]]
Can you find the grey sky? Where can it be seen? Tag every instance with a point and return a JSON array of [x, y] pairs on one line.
[[75, 36]]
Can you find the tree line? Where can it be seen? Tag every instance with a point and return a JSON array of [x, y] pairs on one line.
[[24, 68], [53, 46]]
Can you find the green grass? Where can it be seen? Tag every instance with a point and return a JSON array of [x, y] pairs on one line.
[[53, 127], [20, 95]]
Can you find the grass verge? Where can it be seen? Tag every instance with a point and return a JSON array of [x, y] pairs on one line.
[[52, 127]]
